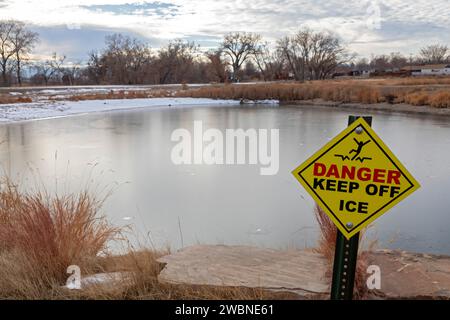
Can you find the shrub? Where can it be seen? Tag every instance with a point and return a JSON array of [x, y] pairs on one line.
[[43, 235]]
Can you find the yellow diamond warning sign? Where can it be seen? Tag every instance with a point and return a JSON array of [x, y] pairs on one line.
[[355, 178]]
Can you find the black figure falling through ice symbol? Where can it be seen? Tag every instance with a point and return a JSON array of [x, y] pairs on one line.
[[357, 151]]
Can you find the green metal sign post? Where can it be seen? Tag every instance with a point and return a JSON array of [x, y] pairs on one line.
[[345, 257]]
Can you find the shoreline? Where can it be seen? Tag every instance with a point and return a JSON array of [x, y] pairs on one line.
[[386, 107], [20, 112]]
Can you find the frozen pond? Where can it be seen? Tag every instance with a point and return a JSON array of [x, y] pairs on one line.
[[176, 205]]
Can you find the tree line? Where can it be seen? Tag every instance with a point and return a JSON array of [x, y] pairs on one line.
[[241, 56]]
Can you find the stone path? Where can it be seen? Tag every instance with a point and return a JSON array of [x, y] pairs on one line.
[[413, 275], [300, 272], [403, 275]]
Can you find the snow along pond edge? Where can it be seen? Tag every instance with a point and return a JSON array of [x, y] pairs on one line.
[[46, 110]]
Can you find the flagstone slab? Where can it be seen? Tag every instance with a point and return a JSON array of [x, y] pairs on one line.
[[298, 271]]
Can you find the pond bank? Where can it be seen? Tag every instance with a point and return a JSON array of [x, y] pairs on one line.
[[394, 108], [55, 109], [404, 275], [14, 112]]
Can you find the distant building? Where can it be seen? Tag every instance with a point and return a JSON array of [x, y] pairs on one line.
[[429, 70], [346, 72]]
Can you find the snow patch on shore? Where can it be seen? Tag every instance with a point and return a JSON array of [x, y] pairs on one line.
[[43, 110], [267, 101]]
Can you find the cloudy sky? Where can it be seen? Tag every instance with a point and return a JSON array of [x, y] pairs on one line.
[[74, 27]]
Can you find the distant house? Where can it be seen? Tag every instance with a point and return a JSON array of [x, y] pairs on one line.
[[344, 71], [341, 71], [429, 70]]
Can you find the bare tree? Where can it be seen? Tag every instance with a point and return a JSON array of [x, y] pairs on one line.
[[125, 60], [239, 47], [325, 53], [175, 61], [380, 63], [57, 64], [270, 63], [313, 55], [96, 68], [43, 72], [70, 73], [217, 64], [128, 61], [7, 49], [435, 53], [50, 68], [23, 41], [397, 60], [291, 51]]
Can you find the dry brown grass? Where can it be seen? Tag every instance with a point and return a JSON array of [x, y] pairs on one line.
[[121, 94], [8, 99], [40, 236], [440, 99], [142, 270], [424, 97], [417, 98], [328, 234], [327, 245], [342, 91], [397, 81], [418, 81], [330, 91]]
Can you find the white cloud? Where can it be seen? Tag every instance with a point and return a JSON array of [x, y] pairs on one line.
[[402, 22]]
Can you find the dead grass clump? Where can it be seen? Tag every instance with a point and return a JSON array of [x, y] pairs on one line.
[[327, 245], [420, 98], [21, 278], [440, 99], [117, 95], [24, 100], [328, 234], [7, 99], [369, 95], [40, 236]]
